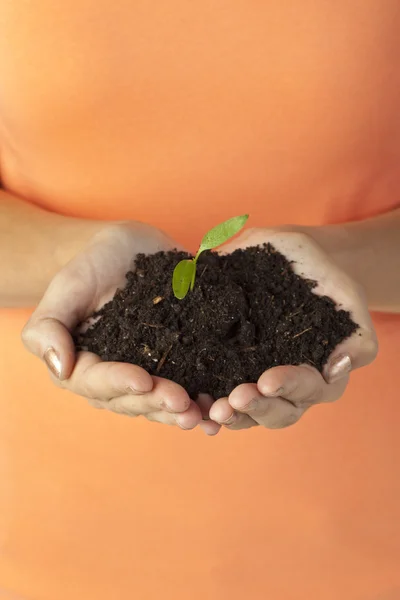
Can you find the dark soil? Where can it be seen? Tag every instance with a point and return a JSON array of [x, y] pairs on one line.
[[248, 312]]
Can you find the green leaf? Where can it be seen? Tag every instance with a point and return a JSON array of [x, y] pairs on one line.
[[222, 233], [182, 278]]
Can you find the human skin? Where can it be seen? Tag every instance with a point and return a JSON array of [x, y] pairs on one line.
[[76, 265]]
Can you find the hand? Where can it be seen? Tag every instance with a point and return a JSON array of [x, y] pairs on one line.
[[283, 394], [82, 287]]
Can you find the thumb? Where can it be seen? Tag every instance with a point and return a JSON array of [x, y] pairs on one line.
[[47, 334], [357, 351]]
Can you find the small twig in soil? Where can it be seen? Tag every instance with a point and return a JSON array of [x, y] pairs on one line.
[[249, 348], [204, 270], [163, 359], [153, 325], [301, 332], [296, 312]]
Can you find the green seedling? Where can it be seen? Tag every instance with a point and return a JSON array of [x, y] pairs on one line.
[[184, 276]]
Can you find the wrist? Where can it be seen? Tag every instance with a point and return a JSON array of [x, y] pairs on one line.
[[339, 242], [71, 235]]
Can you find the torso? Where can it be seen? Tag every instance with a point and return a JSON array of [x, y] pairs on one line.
[[183, 114], [145, 108]]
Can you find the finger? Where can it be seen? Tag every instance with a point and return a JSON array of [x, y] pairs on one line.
[[205, 402], [270, 412], [186, 420], [223, 413], [137, 406], [357, 351], [361, 348], [302, 385], [47, 333], [50, 340], [96, 379], [210, 427], [190, 418]]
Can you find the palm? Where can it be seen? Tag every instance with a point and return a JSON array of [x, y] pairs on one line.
[[282, 394], [100, 270], [81, 288]]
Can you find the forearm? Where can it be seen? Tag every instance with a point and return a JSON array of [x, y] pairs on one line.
[[34, 245], [369, 251]]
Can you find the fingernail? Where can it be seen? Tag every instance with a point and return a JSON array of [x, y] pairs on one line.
[[338, 368], [53, 362], [229, 421]]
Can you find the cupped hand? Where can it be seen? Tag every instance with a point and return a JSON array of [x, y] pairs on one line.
[[282, 394], [82, 287]]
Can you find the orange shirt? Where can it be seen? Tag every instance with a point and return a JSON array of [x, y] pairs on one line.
[[183, 114]]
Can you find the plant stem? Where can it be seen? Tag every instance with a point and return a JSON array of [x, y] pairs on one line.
[[199, 251], [194, 273]]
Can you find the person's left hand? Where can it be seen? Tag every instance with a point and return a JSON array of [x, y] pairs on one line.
[[282, 394]]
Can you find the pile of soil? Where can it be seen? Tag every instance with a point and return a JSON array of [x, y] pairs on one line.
[[248, 312]]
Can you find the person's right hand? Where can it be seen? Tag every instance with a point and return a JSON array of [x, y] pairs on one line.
[[82, 287]]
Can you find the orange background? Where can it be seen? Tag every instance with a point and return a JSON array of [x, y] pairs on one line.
[[183, 114]]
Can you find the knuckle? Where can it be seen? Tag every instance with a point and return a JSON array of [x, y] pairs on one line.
[[116, 407], [35, 328], [367, 349], [285, 421], [304, 403], [84, 385], [89, 392], [120, 408], [317, 396], [27, 335], [300, 238], [371, 349]]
